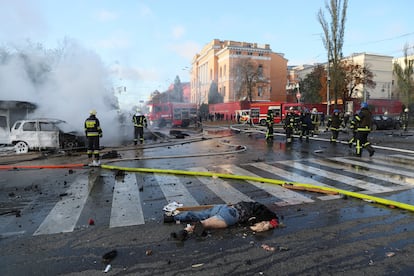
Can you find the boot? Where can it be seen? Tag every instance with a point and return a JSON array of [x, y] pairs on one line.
[[370, 150]]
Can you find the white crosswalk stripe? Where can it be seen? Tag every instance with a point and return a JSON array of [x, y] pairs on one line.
[[174, 190], [66, 212], [221, 188], [369, 187], [126, 204], [289, 197], [370, 176], [379, 166]]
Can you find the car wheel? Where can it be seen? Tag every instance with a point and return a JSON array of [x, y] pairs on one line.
[[21, 147], [70, 144]]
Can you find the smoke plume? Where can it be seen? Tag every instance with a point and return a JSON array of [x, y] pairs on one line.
[[65, 83]]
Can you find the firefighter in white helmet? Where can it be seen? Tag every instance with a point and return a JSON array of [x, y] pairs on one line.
[[289, 125], [140, 122], [93, 133], [315, 121], [404, 119]]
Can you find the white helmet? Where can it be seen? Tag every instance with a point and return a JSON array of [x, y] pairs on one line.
[[406, 110], [314, 110], [92, 112]]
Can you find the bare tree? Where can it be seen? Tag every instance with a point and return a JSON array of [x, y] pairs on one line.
[[246, 75], [333, 39], [353, 76], [404, 77]]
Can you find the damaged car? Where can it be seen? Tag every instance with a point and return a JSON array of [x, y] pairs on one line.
[[45, 134]]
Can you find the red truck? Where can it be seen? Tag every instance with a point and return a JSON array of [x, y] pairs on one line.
[[229, 110], [171, 113]]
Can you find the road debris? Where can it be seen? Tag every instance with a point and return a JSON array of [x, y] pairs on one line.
[[390, 254], [268, 248], [107, 268], [108, 257]]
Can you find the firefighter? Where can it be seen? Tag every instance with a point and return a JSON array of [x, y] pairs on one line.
[[315, 121], [93, 133], [305, 124], [269, 122], [334, 123], [140, 122], [363, 125], [404, 119], [289, 125], [354, 131]]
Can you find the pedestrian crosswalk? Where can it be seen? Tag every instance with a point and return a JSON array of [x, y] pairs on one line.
[[137, 199]]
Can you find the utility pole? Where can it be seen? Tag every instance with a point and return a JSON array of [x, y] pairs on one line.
[[328, 80]]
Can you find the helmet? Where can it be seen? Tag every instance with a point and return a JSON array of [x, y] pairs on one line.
[[314, 110], [336, 111], [364, 105], [291, 108], [138, 110], [92, 112], [406, 110]]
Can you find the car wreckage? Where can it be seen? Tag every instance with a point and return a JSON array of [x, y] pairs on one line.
[[44, 134]]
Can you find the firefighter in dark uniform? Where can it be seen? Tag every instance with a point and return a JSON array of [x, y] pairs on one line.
[[305, 125], [289, 125], [140, 122], [269, 122], [404, 119], [315, 121], [363, 125], [334, 123], [353, 128], [93, 133]]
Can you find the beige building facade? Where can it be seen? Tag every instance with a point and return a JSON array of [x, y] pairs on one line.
[[381, 67], [217, 62]]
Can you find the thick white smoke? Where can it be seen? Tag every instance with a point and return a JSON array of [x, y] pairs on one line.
[[64, 83]]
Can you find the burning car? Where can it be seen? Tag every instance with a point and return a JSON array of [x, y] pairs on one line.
[[44, 134]]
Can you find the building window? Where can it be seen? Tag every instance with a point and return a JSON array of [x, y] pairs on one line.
[[250, 53], [224, 91], [260, 70], [260, 91], [221, 72]]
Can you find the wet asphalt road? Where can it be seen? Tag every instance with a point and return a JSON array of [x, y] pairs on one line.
[[343, 236]]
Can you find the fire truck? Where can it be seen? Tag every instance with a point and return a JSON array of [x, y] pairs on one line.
[[230, 109], [172, 113]]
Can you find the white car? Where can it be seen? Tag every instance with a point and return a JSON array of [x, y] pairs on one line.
[[43, 134]]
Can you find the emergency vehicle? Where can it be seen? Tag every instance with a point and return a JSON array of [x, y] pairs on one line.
[[172, 113]]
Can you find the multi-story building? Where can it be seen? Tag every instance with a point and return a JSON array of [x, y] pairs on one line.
[[217, 62], [381, 68]]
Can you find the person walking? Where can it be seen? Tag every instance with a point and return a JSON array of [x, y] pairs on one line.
[[352, 127], [305, 124], [404, 119], [289, 126], [315, 121], [269, 122], [334, 123], [93, 132], [363, 125], [140, 122]]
